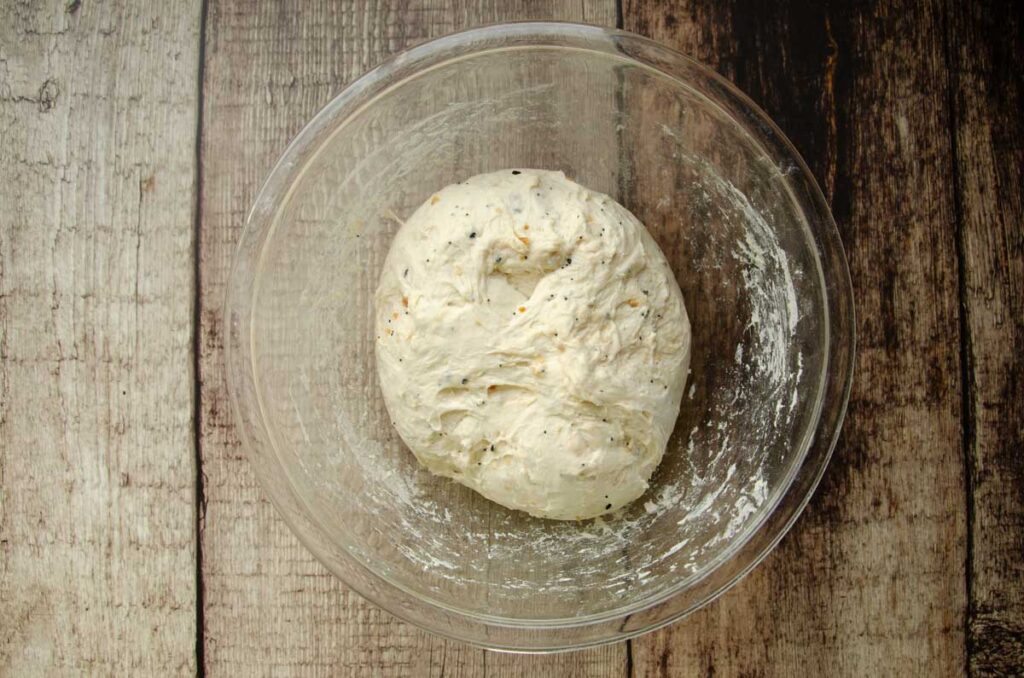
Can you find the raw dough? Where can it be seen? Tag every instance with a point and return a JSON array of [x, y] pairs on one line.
[[532, 343]]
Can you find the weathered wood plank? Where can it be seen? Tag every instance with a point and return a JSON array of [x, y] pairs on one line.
[[986, 44], [269, 607], [98, 107], [871, 580]]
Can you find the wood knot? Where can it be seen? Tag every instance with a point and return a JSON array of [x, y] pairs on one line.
[[48, 93]]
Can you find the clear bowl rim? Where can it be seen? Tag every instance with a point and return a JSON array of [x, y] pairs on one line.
[[819, 437]]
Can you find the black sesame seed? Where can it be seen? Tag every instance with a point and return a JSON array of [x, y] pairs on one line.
[[404, 275], [473, 234], [516, 172], [464, 381], [568, 261], [607, 507]]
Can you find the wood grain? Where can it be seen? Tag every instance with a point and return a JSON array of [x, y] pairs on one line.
[[98, 107], [269, 607], [986, 43], [871, 580]]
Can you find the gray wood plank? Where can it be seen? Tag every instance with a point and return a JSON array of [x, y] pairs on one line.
[[98, 112], [269, 606]]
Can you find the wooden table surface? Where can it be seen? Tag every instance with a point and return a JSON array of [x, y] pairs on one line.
[[133, 536]]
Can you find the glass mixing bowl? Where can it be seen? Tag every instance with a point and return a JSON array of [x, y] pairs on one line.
[[755, 252]]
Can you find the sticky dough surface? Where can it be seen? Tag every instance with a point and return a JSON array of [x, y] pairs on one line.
[[532, 343]]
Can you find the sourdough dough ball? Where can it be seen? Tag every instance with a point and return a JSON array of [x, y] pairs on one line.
[[532, 343]]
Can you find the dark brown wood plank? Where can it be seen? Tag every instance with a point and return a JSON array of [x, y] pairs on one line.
[[986, 46], [98, 108], [871, 580], [269, 606]]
